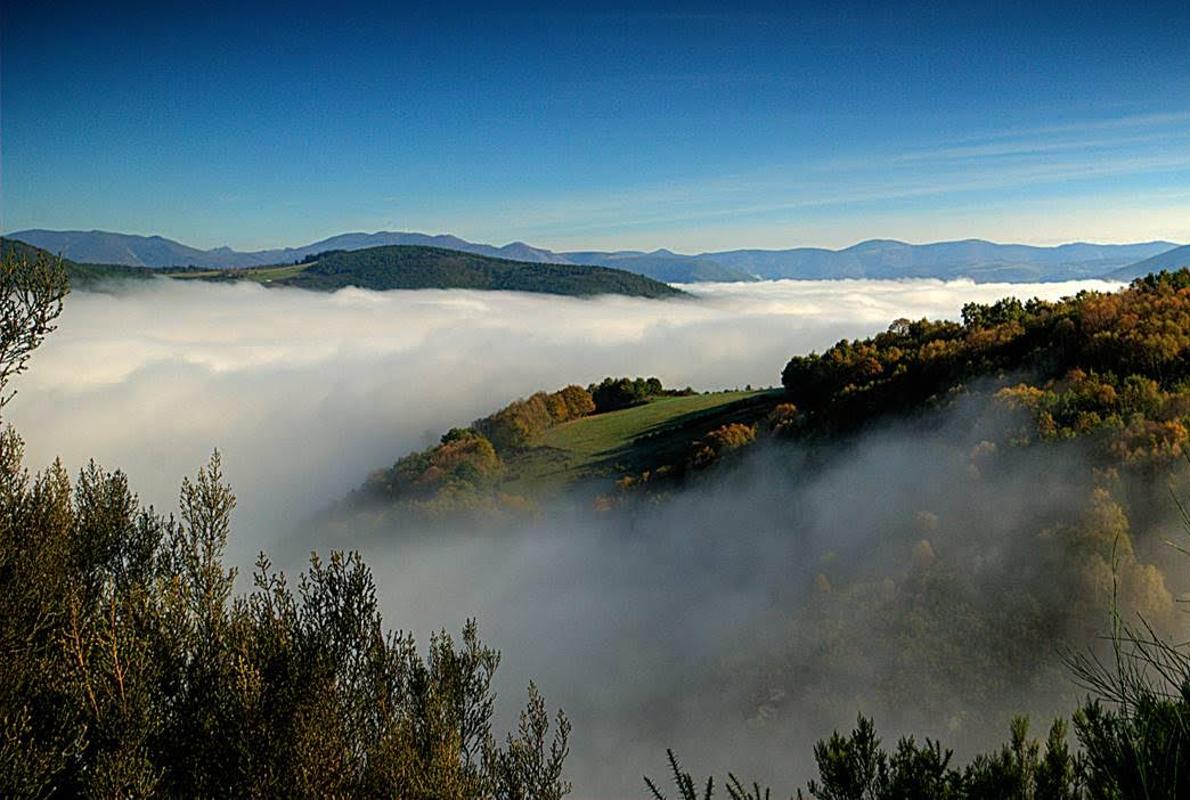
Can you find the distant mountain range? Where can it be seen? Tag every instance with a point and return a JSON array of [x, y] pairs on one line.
[[382, 268], [1171, 259], [104, 247], [79, 274], [970, 258], [878, 258]]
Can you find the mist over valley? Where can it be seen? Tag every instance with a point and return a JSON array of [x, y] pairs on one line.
[[687, 622], [669, 401]]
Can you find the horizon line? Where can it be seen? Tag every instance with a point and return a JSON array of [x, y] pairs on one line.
[[660, 249]]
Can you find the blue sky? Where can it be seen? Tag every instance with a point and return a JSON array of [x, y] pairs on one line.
[[689, 126]]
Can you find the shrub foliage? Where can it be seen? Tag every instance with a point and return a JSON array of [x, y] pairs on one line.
[[129, 667]]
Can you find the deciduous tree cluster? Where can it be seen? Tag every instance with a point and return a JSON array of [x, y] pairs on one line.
[[1110, 364], [522, 421]]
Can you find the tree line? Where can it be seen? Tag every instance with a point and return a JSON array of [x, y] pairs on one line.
[[1108, 366], [463, 471]]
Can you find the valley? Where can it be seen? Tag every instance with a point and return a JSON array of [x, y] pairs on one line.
[[589, 401]]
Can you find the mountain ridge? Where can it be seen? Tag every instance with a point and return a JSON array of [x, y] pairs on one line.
[[1170, 260], [978, 259]]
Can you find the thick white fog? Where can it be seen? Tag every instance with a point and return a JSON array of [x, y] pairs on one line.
[[305, 393]]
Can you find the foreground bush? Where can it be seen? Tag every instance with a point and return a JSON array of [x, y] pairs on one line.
[[1125, 754], [129, 668], [1132, 742], [132, 670]]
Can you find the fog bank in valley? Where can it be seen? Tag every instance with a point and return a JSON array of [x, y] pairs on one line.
[[648, 629], [306, 392]]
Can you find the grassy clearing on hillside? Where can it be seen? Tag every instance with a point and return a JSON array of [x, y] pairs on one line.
[[415, 267], [629, 440], [257, 274]]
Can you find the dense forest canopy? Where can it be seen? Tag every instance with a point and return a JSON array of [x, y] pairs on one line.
[[1111, 366], [418, 267]]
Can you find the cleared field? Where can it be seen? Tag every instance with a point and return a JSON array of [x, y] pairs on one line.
[[257, 274], [607, 446]]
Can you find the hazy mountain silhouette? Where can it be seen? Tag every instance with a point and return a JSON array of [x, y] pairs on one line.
[[1171, 259], [876, 258]]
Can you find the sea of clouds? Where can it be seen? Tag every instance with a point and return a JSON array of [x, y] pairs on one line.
[[304, 393]]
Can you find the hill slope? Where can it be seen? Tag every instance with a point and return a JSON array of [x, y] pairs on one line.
[[124, 249], [662, 265], [604, 447], [972, 258], [157, 251], [80, 274], [1177, 258], [539, 446], [413, 267]]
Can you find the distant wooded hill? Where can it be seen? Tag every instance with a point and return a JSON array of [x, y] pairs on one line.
[[882, 258], [414, 267], [395, 267], [1107, 368], [80, 274], [1171, 260]]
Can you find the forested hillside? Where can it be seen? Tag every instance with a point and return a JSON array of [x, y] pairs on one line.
[[80, 274], [409, 267], [974, 586], [1108, 369], [663, 265], [415, 267]]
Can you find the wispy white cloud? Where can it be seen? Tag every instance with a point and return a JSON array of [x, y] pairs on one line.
[[1031, 146], [1066, 164], [727, 198], [1126, 121]]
